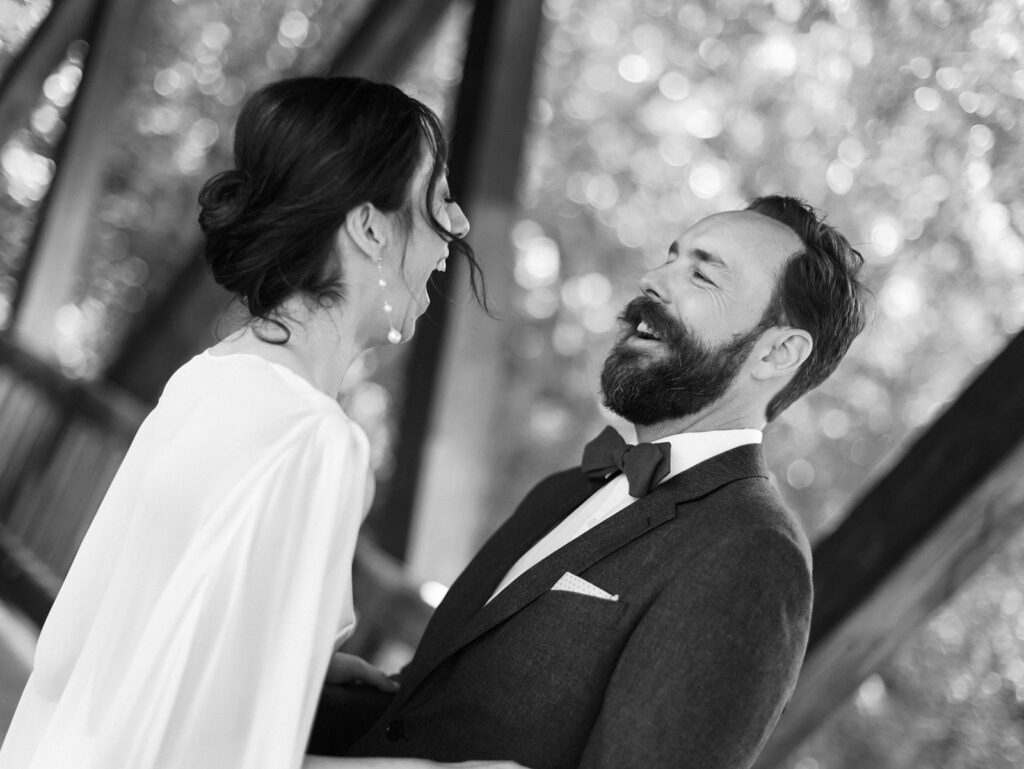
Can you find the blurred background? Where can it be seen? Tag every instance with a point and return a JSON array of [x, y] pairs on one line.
[[587, 135]]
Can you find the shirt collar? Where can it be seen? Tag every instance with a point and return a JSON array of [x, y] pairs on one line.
[[690, 449]]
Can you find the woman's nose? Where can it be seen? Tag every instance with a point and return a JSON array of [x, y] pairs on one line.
[[460, 224]]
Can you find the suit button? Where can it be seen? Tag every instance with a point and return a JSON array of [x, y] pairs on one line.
[[394, 731]]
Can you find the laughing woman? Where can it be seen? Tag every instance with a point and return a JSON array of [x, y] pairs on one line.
[[196, 625]]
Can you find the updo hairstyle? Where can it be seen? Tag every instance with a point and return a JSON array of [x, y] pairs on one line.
[[307, 151]]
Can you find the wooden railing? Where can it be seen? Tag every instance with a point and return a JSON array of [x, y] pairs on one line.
[[61, 442]]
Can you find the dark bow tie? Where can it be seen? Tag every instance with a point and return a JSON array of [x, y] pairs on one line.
[[644, 464]]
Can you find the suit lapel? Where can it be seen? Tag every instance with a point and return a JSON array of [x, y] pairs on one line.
[[576, 557], [463, 616], [531, 521]]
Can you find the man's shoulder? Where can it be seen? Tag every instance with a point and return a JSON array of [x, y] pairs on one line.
[[748, 510], [772, 514], [744, 538]]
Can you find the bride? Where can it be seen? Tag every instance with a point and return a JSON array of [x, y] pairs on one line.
[[196, 625]]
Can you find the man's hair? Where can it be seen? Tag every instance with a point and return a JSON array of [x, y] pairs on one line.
[[818, 291]]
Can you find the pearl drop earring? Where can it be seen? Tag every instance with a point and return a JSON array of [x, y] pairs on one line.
[[394, 335]]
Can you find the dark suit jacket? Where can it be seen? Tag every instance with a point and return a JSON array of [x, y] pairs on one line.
[[691, 667]]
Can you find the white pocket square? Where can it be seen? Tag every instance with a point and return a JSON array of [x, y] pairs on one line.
[[573, 584]]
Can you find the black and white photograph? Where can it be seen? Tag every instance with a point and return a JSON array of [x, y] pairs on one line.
[[511, 384]]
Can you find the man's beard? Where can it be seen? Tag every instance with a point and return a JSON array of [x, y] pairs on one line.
[[646, 386]]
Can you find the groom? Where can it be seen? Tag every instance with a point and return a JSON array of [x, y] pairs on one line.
[[651, 608]]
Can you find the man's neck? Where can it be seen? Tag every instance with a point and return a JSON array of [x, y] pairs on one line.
[[694, 423]]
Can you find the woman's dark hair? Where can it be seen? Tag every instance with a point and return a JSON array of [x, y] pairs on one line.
[[817, 291], [307, 151]]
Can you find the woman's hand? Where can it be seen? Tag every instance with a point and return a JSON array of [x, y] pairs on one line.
[[350, 669]]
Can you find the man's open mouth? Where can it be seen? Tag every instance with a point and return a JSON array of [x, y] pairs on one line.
[[645, 331]]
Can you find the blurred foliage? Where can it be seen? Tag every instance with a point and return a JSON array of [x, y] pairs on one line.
[[26, 161], [902, 120], [193, 64], [18, 20]]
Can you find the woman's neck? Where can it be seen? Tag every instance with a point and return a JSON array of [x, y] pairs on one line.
[[320, 346]]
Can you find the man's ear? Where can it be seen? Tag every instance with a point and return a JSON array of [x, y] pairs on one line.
[[783, 350], [367, 226]]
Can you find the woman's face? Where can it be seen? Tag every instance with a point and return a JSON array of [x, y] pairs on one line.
[[424, 249]]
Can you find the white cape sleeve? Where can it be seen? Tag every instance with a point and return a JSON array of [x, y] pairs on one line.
[[232, 656]]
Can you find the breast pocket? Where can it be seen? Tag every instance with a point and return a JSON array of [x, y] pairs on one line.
[[584, 609]]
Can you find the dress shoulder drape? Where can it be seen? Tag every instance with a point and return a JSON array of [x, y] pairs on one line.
[[195, 626]]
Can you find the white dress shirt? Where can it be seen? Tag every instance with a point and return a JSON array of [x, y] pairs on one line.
[[688, 450]]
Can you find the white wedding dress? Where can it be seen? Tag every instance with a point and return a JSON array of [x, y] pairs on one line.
[[196, 624]]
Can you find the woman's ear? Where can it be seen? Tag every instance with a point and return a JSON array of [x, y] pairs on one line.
[[368, 228], [788, 348]]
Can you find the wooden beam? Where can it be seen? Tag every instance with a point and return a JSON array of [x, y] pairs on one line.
[[390, 519], [181, 321], [954, 499], [946, 464], [458, 430], [62, 230], [388, 37], [22, 82]]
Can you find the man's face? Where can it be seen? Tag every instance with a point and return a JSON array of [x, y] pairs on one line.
[[686, 339]]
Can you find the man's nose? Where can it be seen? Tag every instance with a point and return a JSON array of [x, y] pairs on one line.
[[653, 288]]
